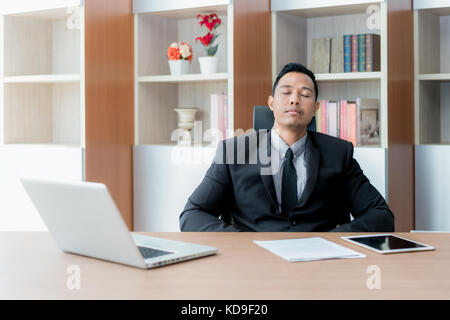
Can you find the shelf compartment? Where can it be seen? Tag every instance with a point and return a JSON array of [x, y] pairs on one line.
[[433, 42], [43, 113], [156, 118], [155, 32], [36, 46], [291, 33], [434, 112]]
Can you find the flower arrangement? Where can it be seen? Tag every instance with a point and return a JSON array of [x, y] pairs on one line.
[[180, 51], [211, 22]]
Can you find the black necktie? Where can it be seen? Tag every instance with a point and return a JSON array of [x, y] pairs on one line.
[[288, 184]]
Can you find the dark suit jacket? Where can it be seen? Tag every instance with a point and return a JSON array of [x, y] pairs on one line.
[[235, 196]]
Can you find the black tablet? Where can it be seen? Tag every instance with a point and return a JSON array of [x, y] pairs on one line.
[[387, 243]]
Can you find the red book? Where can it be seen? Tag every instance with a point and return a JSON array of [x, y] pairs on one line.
[[352, 122], [354, 53], [343, 134]]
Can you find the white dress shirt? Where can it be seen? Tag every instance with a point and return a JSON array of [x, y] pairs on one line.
[[278, 154]]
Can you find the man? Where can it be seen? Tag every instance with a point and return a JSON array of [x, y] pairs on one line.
[[309, 183]]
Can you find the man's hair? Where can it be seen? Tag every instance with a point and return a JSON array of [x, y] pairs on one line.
[[296, 67]]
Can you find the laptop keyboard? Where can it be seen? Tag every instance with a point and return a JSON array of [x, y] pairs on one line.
[[152, 253]]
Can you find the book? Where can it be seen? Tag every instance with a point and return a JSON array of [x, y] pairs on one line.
[[332, 118], [320, 55], [347, 53], [343, 120], [373, 52], [338, 119], [323, 116], [319, 120], [225, 115], [221, 116], [369, 121], [214, 112], [361, 52], [354, 53], [352, 122], [337, 55]]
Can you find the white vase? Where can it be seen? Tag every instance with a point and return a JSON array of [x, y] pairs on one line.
[[208, 64], [179, 66], [186, 118]]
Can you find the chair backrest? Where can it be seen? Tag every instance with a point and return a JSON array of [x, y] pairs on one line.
[[263, 119]]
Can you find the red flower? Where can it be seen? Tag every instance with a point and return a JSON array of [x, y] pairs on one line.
[[210, 21], [205, 39], [180, 51], [173, 53]]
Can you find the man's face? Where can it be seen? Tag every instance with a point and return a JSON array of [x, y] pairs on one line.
[[293, 103]]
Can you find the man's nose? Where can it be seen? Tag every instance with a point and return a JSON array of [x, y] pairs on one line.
[[295, 101]]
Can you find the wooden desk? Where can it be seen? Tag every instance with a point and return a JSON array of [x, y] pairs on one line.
[[32, 267]]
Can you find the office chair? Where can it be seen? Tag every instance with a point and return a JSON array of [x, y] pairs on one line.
[[263, 119]]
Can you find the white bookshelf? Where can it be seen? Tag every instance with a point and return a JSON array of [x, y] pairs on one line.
[[42, 85], [157, 93], [432, 72], [41, 101], [158, 164], [296, 23], [432, 113]]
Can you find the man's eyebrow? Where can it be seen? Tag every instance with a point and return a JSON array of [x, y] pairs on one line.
[[289, 86]]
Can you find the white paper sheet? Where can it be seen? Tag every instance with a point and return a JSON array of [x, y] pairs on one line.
[[307, 249]]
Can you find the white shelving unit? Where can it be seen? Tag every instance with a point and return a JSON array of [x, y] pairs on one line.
[[432, 71], [41, 100], [164, 177], [42, 78], [296, 23], [432, 113], [157, 92]]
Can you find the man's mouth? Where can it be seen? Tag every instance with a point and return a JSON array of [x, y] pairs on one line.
[[295, 111]]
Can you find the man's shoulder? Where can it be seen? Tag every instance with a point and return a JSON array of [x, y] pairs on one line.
[[250, 139], [243, 148], [327, 143], [249, 134]]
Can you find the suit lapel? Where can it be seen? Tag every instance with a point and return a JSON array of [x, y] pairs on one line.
[[312, 165], [266, 177]]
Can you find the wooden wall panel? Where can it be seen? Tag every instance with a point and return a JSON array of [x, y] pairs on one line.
[[252, 59], [109, 76], [401, 113]]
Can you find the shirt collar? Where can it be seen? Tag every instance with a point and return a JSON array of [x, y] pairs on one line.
[[281, 147]]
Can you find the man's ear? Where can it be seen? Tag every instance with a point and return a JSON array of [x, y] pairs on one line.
[[270, 102], [317, 106]]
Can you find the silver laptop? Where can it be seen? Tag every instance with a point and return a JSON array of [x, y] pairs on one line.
[[83, 219]]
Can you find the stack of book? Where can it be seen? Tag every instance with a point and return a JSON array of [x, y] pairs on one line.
[[355, 121], [219, 115], [350, 53]]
